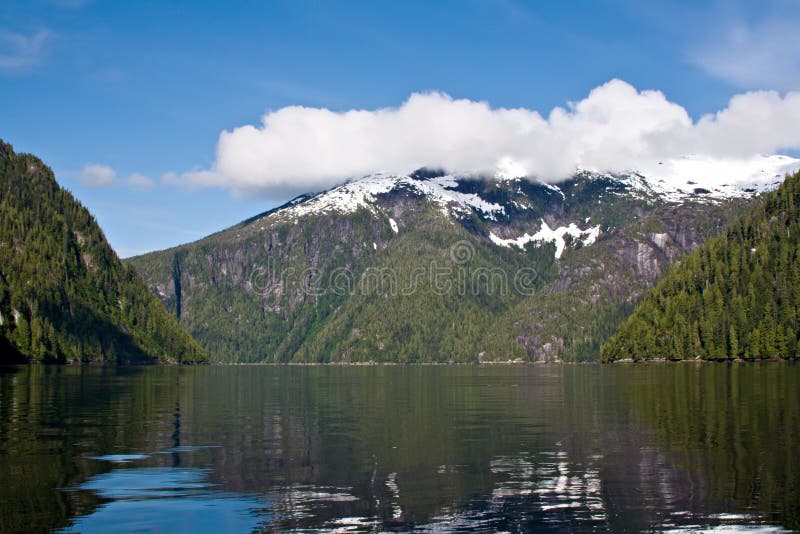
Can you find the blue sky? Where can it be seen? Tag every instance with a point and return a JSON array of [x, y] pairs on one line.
[[145, 88]]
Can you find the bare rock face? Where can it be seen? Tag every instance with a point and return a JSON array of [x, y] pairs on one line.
[[647, 263], [542, 352]]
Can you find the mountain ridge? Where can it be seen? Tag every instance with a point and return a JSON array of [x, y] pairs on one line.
[[754, 176], [238, 300]]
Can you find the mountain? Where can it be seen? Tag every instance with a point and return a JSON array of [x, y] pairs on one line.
[[64, 294], [737, 296], [435, 267]]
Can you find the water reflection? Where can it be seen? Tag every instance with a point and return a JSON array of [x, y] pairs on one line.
[[166, 499], [404, 448], [183, 499]]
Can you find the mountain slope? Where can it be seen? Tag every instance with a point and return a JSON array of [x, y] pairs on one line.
[[597, 287], [64, 294], [432, 267], [738, 296]]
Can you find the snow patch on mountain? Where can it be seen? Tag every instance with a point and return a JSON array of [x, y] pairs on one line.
[[550, 235]]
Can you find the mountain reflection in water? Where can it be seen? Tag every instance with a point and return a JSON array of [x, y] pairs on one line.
[[670, 447]]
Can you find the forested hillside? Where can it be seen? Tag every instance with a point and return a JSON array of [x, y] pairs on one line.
[[738, 296], [64, 294]]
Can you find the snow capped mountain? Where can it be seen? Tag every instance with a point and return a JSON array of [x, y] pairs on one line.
[[690, 178], [551, 268], [513, 207]]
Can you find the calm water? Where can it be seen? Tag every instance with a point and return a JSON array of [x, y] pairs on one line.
[[515, 448]]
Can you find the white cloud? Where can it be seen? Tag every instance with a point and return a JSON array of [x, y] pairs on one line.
[[140, 181], [753, 54], [616, 127], [18, 51], [94, 175]]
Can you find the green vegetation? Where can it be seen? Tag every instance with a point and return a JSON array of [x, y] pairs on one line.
[[64, 294], [738, 296]]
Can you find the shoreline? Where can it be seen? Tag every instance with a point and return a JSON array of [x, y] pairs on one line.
[[509, 363], [491, 364]]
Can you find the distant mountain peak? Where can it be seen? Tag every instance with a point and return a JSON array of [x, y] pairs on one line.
[[442, 189]]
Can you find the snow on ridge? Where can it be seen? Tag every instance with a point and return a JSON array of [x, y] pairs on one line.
[[361, 193], [706, 179], [759, 172], [553, 187], [549, 235], [345, 198], [693, 178], [440, 190]]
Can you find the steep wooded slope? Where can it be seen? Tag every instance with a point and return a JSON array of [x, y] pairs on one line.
[[64, 294]]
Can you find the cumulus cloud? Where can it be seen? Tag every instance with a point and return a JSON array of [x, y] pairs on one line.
[[616, 127], [754, 54], [18, 51], [94, 175]]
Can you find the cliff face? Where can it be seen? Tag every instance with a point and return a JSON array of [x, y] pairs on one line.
[[64, 294], [430, 267]]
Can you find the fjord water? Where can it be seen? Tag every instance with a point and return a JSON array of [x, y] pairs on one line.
[[514, 448]]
